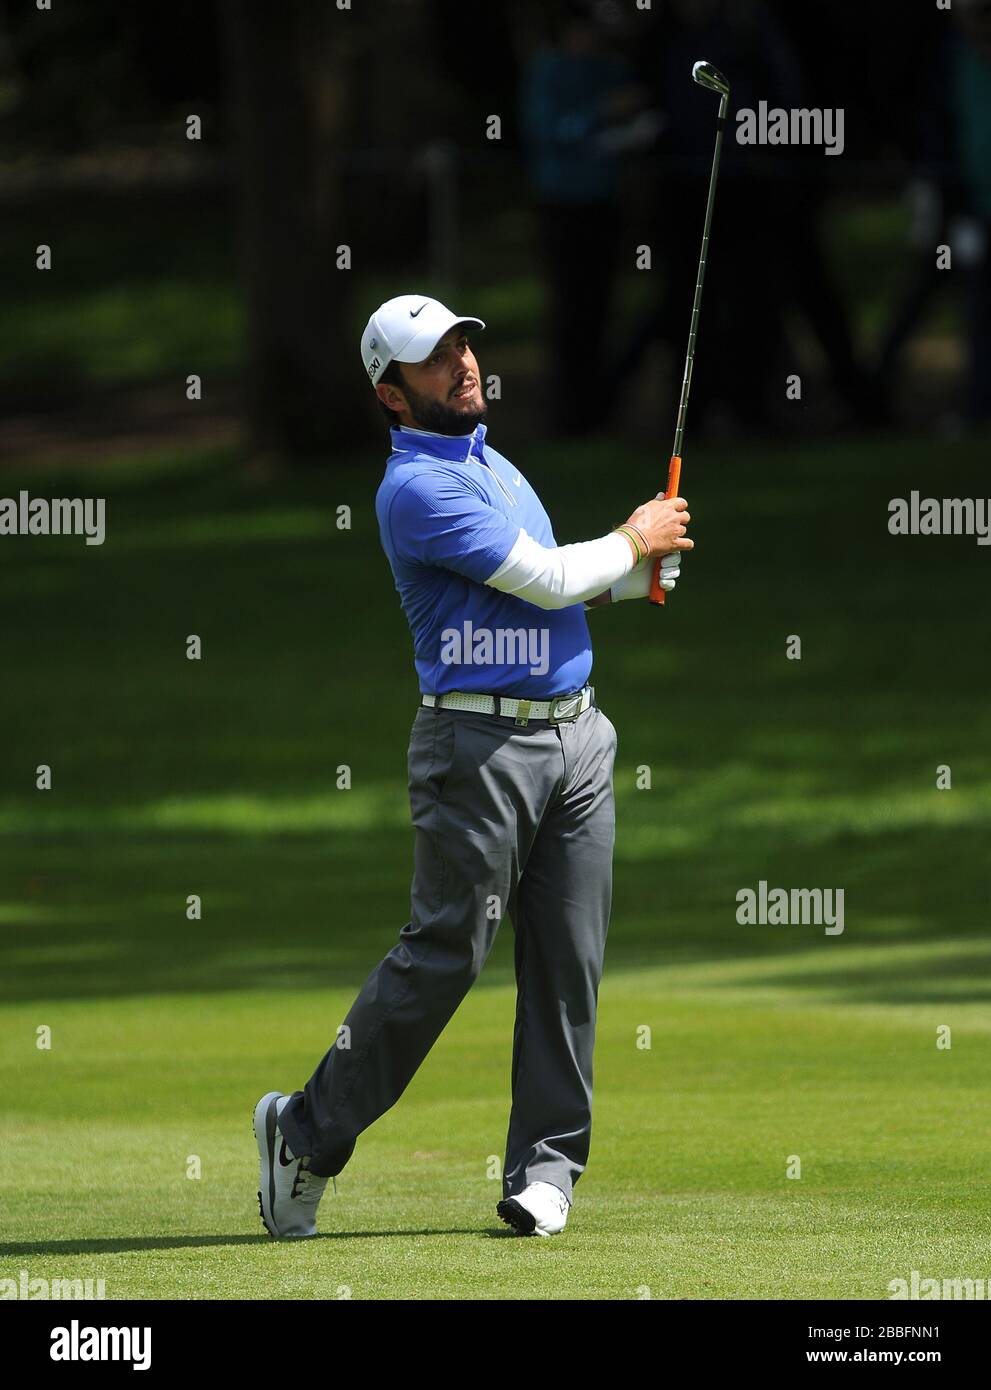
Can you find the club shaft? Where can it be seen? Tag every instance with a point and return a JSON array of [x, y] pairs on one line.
[[686, 384]]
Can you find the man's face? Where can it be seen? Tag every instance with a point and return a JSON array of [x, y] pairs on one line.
[[442, 393]]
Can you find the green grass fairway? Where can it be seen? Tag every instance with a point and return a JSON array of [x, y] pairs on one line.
[[686, 1196], [218, 778]]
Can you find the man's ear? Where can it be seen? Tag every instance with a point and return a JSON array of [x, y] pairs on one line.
[[391, 397]]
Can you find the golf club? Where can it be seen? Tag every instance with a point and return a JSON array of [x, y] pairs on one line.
[[706, 76]]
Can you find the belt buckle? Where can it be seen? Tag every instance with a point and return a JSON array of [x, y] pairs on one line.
[[554, 717]]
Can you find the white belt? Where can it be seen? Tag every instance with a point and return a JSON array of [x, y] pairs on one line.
[[561, 710]]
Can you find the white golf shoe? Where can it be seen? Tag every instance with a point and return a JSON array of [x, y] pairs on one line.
[[541, 1209], [288, 1193]]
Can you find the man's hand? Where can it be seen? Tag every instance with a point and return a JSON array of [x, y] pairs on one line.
[[662, 522]]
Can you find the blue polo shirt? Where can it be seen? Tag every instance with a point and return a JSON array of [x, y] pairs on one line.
[[449, 510]]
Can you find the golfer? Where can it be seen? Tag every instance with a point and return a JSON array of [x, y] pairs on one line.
[[510, 784]]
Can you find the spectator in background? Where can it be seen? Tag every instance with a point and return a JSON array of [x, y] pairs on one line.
[[933, 197], [767, 256], [950, 198], [744, 274], [971, 113], [575, 92]]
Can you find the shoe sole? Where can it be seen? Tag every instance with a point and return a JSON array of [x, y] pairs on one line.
[[523, 1222], [263, 1124]]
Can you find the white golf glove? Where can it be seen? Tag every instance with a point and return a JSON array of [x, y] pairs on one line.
[[636, 584]]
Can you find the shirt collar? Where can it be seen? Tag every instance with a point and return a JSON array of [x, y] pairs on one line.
[[456, 447]]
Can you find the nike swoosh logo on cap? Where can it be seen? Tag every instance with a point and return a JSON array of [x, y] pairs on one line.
[[413, 312]]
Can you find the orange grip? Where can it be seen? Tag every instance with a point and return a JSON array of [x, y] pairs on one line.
[[657, 594]]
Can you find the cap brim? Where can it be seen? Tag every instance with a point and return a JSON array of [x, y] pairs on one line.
[[426, 337]]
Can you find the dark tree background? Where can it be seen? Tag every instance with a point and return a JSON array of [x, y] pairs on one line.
[[316, 120]]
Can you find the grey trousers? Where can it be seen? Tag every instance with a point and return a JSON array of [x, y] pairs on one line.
[[507, 820]]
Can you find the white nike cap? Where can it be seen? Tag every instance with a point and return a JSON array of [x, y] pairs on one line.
[[406, 329]]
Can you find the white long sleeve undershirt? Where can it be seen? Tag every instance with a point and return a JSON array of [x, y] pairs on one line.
[[556, 577]]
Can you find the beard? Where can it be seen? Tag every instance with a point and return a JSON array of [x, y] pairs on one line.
[[442, 418]]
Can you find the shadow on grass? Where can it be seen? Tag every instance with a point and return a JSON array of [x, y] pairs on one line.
[[104, 916], [123, 1245], [819, 772], [963, 978]]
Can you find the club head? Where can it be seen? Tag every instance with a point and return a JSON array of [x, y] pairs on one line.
[[708, 76]]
